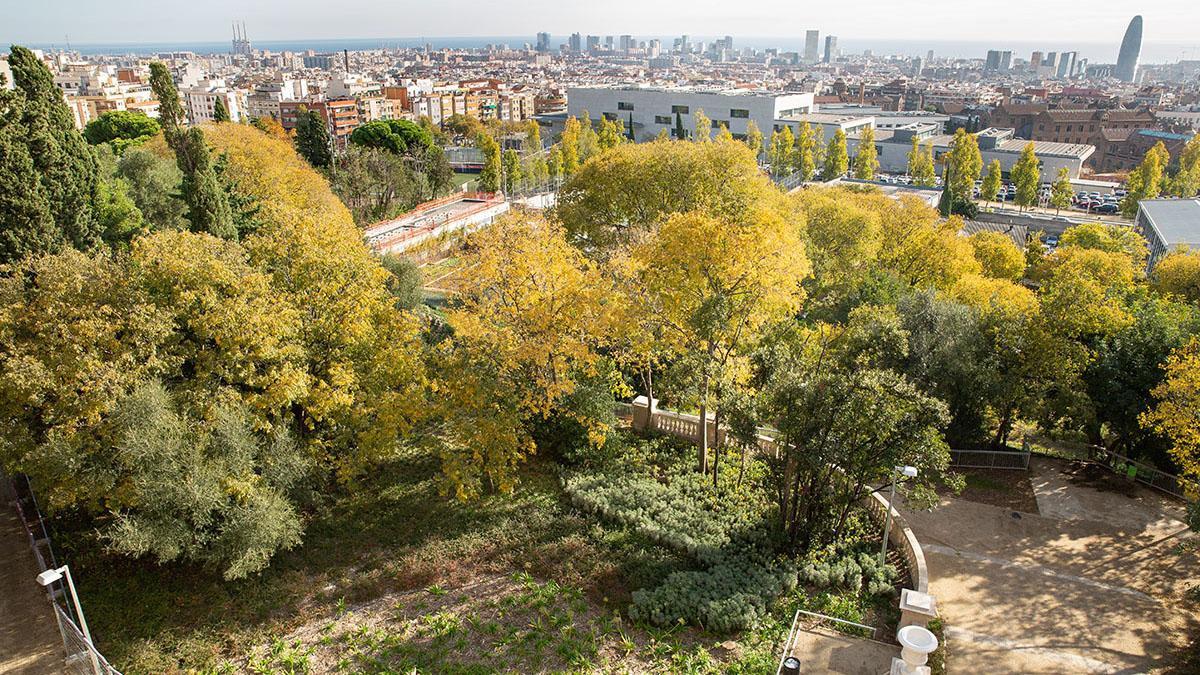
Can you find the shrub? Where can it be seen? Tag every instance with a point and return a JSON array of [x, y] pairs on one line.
[[731, 595]]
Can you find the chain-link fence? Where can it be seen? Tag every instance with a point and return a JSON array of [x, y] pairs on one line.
[[989, 459], [81, 657]]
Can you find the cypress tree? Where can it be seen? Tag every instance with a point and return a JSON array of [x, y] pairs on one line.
[[220, 112], [206, 198], [28, 226], [65, 166], [312, 138], [680, 132], [629, 129]]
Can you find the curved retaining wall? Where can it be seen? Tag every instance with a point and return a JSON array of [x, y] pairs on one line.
[[900, 537]]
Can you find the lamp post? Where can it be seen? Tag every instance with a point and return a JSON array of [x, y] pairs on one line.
[[50, 576], [911, 472]]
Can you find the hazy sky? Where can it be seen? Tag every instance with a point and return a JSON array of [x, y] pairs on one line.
[[44, 21]]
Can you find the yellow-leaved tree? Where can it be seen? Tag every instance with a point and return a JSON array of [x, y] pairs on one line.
[[712, 284], [363, 358], [1175, 412], [533, 313]]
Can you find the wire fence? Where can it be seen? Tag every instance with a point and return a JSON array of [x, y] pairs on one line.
[[79, 654], [989, 459], [1145, 474]]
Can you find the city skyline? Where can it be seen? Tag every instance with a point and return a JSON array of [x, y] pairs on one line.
[[1168, 21]]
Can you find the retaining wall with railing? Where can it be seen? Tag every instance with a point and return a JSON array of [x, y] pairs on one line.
[[646, 416]]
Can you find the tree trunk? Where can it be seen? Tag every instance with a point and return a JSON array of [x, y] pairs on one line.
[[717, 445], [703, 447]]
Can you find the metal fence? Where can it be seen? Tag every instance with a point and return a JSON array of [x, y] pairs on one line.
[[1147, 475], [989, 459], [79, 655]]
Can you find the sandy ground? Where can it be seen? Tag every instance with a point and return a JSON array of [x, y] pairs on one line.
[[29, 640], [1093, 582]]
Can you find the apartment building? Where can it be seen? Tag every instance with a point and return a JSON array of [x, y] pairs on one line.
[[201, 101]]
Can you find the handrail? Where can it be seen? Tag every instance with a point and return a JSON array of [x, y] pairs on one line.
[[901, 535]]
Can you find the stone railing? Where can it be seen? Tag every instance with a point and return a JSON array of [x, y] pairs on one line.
[[915, 604]]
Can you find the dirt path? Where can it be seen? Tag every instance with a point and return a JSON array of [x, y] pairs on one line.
[[29, 640], [1093, 582]]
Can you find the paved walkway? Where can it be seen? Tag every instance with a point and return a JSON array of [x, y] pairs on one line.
[[822, 650], [29, 639], [1094, 583]]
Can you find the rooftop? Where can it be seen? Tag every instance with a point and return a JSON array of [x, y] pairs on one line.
[[1177, 221]]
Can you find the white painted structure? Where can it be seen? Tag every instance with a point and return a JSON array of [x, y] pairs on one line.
[[655, 109], [893, 146]]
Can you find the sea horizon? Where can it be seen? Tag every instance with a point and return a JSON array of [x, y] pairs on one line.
[[1095, 52]]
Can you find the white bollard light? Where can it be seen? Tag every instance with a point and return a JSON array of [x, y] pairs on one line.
[[916, 644]]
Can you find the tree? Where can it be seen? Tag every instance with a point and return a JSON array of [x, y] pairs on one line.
[[629, 129], [489, 177], [965, 163], [533, 314], [990, 188], [1110, 239], [207, 200], [220, 112], [117, 213], [170, 110], [569, 143], [780, 152], [703, 127], [622, 197], [842, 430], [680, 132], [208, 203], [361, 357], [554, 165], [589, 143], [152, 182], [1179, 274], [1145, 182], [533, 136], [714, 284], [1027, 176], [1174, 413], [405, 281], [121, 128], [836, 159], [806, 146], [1061, 192], [998, 255], [312, 138], [51, 199], [866, 159], [611, 135], [754, 138], [271, 127], [1186, 182], [511, 165], [920, 165], [723, 134], [376, 184], [401, 137]]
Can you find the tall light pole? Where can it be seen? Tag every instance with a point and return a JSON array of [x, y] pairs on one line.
[[50, 576], [911, 472]]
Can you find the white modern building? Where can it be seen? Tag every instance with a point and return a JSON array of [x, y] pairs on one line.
[[655, 109], [893, 145], [1167, 225]]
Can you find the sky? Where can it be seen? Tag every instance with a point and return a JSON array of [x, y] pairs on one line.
[[1018, 21]]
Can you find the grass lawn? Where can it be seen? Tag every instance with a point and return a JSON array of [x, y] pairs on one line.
[[393, 577]]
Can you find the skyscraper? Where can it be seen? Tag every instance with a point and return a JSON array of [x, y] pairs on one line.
[[1066, 64], [1131, 49], [812, 45], [543, 42], [830, 48], [576, 42]]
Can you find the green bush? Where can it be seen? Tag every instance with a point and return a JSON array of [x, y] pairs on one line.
[[851, 571], [729, 596]]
